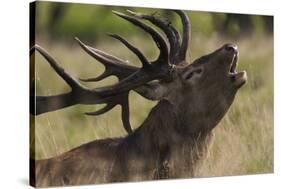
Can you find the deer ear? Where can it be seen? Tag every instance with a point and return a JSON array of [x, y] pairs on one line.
[[192, 74]]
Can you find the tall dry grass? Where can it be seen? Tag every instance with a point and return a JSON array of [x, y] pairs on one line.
[[243, 140]]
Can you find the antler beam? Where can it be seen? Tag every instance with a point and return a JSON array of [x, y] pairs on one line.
[[142, 80]]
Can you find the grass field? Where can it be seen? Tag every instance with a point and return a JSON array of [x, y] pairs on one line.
[[243, 140]]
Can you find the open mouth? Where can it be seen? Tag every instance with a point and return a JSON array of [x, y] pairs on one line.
[[234, 64], [238, 78]]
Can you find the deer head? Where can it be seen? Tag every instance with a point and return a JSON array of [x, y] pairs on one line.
[[201, 92], [204, 90]]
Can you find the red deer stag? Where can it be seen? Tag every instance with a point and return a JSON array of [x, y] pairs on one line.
[[193, 98]]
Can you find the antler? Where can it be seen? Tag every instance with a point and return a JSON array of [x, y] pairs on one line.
[[130, 77], [185, 36], [171, 33], [177, 50]]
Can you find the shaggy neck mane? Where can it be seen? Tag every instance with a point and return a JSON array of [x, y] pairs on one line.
[[162, 136]]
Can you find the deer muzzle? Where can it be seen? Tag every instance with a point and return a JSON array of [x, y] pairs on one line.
[[239, 78]]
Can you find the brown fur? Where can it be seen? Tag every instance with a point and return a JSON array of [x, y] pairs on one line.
[[171, 141], [133, 158]]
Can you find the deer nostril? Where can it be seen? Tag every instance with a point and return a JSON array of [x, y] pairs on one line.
[[231, 48]]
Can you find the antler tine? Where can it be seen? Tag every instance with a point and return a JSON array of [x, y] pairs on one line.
[[157, 37], [177, 35], [125, 115], [103, 110], [113, 65], [136, 51], [60, 71], [112, 59], [108, 59], [122, 100], [105, 74], [120, 70], [79, 94], [171, 33], [185, 34]]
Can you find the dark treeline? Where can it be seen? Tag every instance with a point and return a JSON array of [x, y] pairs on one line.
[[63, 20]]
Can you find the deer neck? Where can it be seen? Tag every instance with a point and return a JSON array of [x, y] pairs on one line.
[[165, 126], [161, 137]]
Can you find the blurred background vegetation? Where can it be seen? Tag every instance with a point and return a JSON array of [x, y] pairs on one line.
[[63, 20], [244, 139]]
